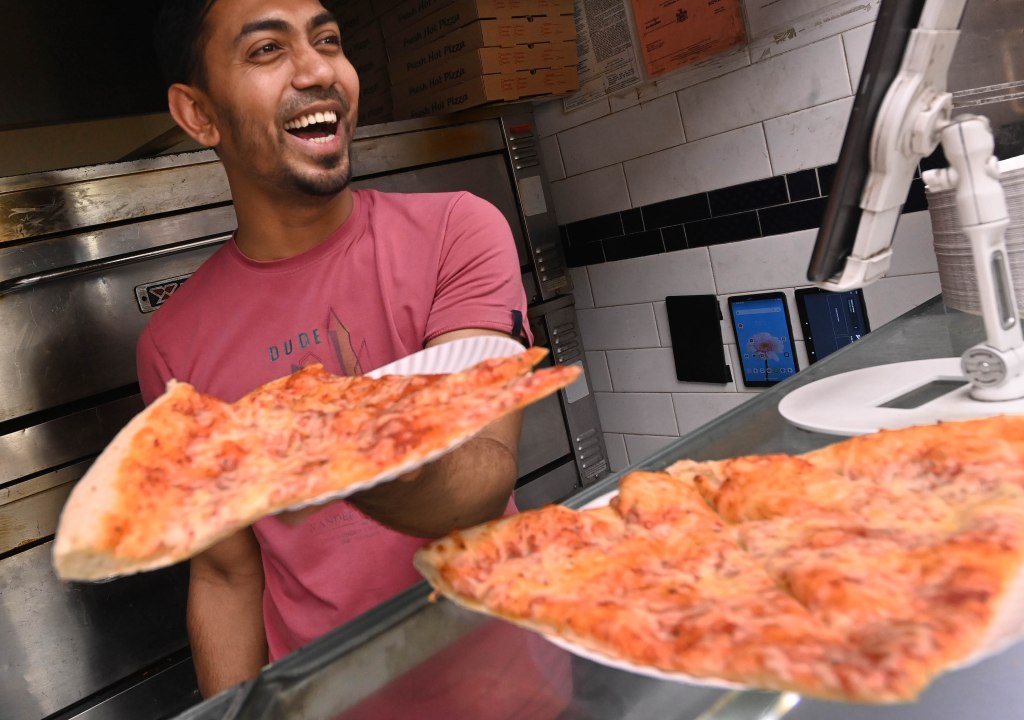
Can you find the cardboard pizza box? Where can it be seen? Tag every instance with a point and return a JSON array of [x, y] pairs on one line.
[[486, 61], [376, 109], [410, 12], [484, 33], [351, 14], [365, 49], [382, 6], [485, 89], [448, 19]]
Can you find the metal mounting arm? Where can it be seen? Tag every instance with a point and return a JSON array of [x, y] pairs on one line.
[[995, 366]]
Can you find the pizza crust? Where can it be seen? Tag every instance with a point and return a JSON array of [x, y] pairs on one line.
[[78, 550]]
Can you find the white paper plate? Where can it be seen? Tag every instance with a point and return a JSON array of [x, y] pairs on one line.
[[439, 359]]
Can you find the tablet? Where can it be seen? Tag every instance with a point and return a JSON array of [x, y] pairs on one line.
[[764, 338], [830, 320]]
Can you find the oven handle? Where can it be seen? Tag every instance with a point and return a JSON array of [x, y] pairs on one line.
[[26, 281]]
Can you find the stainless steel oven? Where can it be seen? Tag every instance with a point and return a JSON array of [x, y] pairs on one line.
[[86, 255]]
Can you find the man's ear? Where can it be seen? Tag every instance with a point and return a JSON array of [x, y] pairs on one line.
[[189, 109]]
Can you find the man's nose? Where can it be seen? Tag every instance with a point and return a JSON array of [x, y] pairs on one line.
[[312, 69]]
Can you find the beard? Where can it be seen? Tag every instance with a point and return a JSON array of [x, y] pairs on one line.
[[336, 176], [332, 174]]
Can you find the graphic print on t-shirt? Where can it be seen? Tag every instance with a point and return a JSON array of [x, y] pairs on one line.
[[302, 349], [351, 362]]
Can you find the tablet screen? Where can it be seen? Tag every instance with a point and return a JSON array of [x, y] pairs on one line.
[[830, 320], [764, 338]]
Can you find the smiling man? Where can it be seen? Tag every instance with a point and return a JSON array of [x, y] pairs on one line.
[[316, 272]]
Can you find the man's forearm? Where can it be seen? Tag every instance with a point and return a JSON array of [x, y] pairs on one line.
[[225, 629], [467, 486]]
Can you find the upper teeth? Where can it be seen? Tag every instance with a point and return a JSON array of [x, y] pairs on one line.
[[312, 119]]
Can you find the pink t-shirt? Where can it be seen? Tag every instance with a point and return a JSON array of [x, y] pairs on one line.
[[402, 270]]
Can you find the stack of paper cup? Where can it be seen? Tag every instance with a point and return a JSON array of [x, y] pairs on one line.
[[953, 249]]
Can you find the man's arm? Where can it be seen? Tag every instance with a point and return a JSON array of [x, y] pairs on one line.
[[225, 613], [465, 487]]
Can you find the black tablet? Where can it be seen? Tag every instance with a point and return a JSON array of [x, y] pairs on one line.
[[764, 338], [830, 320]]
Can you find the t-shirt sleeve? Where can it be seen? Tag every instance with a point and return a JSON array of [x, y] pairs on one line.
[[151, 367], [479, 284]]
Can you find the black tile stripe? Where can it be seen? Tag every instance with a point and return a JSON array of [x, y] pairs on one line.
[[635, 245], [594, 229], [803, 185], [774, 206], [802, 215], [632, 221], [676, 212], [674, 238], [725, 229], [748, 196]]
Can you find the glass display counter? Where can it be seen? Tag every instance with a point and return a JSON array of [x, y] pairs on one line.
[[413, 658]]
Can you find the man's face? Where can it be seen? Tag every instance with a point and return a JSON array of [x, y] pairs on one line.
[[283, 94]]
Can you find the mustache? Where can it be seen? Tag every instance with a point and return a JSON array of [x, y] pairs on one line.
[[294, 104]]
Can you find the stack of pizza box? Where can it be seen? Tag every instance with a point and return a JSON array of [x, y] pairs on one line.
[[449, 55], [363, 43]]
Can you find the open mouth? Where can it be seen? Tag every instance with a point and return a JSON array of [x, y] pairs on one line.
[[319, 127]]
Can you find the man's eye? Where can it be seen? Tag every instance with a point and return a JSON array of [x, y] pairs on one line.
[[332, 39], [265, 49]]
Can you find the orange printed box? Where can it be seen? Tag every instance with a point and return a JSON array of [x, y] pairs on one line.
[[411, 12], [488, 60], [448, 19], [487, 89], [485, 33]]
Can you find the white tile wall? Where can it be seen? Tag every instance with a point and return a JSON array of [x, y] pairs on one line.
[[912, 246], [889, 298], [855, 43], [551, 118], [640, 447], [600, 377], [808, 138], [581, 287], [652, 278], [552, 158], [652, 370], [623, 326], [696, 409], [727, 159], [810, 76], [762, 263], [639, 413], [615, 445], [614, 138], [774, 107], [591, 194]]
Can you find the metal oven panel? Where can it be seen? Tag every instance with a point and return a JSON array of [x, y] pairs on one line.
[[86, 255], [62, 642]]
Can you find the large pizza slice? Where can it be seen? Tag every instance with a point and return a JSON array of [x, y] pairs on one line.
[[190, 470], [857, 572]]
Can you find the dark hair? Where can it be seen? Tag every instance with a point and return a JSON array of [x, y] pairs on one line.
[[179, 38]]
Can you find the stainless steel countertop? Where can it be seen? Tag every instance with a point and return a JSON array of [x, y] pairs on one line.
[[335, 673]]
